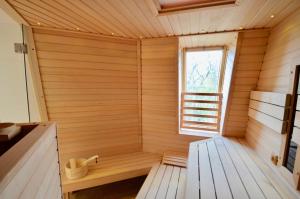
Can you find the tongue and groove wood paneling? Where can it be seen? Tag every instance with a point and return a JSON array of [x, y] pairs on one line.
[[249, 58], [281, 58], [160, 97], [91, 91]]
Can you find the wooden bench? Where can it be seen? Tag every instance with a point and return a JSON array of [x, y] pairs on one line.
[[113, 169], [228, 168], [164, 181]]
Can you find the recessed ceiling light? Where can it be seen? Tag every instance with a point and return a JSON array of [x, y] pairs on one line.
[[77, 28], [112, 33], [272, 16], [38, 23]]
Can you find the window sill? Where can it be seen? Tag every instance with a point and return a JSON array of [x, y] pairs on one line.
[[198, 133]]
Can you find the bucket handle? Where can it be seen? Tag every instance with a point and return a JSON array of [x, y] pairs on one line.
[[91, 159]]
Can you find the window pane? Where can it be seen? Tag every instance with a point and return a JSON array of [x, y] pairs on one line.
[[203, 71]]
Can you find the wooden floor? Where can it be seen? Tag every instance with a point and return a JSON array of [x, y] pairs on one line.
[[223, 168], [164, 181]]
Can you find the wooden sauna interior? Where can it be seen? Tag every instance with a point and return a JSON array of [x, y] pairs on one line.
[[113, 78]]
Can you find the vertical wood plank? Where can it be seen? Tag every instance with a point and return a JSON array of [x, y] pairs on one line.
[[237, 187], [207, 187], [251, 186], [221, 183], [163, 187], [148, 182], [173, 184], [266, 186], [181, 184], [192, 186], [156, 182]]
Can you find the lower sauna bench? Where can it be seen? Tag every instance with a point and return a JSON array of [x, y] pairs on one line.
[[113, 169], [164, 181], [229, 169]]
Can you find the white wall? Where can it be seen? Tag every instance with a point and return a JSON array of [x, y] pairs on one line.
[[13, 100]]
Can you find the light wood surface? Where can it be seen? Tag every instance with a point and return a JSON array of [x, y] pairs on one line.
[[35, 74], [160, 117], [174, 159], [276, 75], [112, 169], [135, 18], [250, 51], [91, 91], [271, 109], [30, 168], [6, 7], [225, 39], [191, 101], [163, 181], [228, 168]]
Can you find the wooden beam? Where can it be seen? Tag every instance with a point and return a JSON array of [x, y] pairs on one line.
[[6, 7], [34, 69]]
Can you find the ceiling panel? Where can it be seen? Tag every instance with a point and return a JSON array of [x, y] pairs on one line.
[[137, 18], [208, 40]]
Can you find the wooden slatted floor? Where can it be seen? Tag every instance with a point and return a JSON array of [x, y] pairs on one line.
[[164, 181], [224, 168]]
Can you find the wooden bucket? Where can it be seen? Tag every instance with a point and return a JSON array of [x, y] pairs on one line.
[[78, 168]]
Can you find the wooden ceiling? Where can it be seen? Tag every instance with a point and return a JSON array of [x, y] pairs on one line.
[[137, 18], [219, 39]]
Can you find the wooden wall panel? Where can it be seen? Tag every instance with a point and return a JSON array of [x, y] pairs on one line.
[[282, 55], [160, 97], [91, 91], [250, 52]]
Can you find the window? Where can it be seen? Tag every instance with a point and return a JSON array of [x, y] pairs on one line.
[[201, 89], [202, 70]]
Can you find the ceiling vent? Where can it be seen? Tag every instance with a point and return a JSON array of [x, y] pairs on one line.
[[174, 6]]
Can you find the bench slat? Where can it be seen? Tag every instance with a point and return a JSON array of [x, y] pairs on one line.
[[221, 184], [171, 194], [192, 185], [266, 186], [162, 192], [207, 187], [237, 188], [281, 186], [164, 181], [251, 186], [231, 169], [156, 182], [181, 184], [146, 186]]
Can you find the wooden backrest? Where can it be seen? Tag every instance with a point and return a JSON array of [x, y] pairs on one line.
[[270, 109]]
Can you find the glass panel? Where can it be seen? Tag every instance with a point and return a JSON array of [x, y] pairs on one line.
[[13, 101], [203, 71]]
